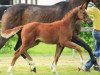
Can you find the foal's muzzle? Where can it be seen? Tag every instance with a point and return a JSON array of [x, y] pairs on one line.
[[89, 22]]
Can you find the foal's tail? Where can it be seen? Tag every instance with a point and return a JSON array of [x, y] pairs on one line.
[[8, 33]]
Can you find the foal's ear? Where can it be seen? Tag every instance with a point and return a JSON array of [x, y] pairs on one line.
[[83, 6], [87, 2]]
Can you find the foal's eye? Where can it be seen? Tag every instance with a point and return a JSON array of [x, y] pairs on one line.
[[84, 13]]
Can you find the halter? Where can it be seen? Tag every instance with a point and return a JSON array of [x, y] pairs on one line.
[[91, 4]]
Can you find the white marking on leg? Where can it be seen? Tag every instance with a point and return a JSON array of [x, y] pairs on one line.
[[81, 63], [54, 68], [10, 70], [32, 65]]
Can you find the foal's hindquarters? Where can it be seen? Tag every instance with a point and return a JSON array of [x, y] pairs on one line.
[[50, 34]]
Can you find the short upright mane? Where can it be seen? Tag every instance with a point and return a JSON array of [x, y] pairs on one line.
[[71, 17], [71, 13]]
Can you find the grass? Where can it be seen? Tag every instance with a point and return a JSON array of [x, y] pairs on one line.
[[44, 70], [66, 66]]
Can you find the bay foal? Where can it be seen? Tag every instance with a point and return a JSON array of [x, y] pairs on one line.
[[58, 32]]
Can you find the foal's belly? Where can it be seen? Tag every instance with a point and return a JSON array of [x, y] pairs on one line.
[[48, 40], [48, 37]]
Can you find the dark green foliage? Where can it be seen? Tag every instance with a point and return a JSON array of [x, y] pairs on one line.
[[87, 36]]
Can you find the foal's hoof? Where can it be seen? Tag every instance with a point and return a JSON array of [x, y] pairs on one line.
[[33, 70]]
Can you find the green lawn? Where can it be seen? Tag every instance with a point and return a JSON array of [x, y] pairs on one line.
[[45, 70], [66, 66]]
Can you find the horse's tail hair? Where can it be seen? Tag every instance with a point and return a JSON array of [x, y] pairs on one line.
[[10, 32]]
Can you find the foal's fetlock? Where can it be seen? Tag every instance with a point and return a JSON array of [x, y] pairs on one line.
[[53, 68], [33, 70]]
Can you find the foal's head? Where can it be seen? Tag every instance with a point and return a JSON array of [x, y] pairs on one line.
[[82, 14]]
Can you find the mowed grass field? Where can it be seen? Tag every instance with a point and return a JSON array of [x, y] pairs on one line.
[[67, 65]]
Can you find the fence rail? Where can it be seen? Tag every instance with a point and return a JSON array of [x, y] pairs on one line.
[[86, 29], [5, 5]]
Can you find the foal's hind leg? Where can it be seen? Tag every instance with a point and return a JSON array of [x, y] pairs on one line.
[[20, 51], [26, 56], [58, 52], [19, 43], [27, 44], [31, 63], [76, 47]]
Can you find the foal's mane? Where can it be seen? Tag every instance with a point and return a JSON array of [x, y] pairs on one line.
[[71, 16], [71, 13]]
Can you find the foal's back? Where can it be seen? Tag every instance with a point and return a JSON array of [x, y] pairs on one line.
[[45, 32]]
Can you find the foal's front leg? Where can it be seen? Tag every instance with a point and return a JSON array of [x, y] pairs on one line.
[[58, 52], [76, 47]]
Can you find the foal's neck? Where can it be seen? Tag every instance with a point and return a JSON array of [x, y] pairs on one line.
[[71, 17]]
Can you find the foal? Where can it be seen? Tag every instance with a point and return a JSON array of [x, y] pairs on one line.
[[58, 32]]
